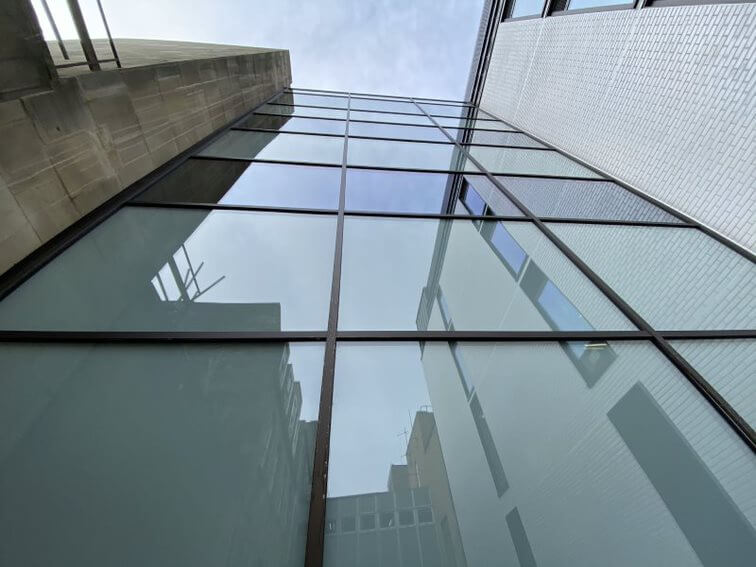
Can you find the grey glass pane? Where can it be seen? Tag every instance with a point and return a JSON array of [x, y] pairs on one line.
[[410, 155], [312, 100], [277, 147], [383, 105], [572, 198], [396, 131], [482, 124], [307, 111], [728, 365], [675, 278], [625, 465], [242, 183], [157, 455], [396, 191], [504, 139], [481, 197], [164, 269], [295, 124], [423, 274], [580, 4], [388, 117], [453, 111], [526, 8], [525, 161]]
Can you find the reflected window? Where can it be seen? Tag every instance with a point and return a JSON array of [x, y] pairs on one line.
[[239, 144], [180, 269], [387, 520], [348, 524], [295, 124], [196, 442], [526, 8], [406, 517], [481, 197], [397, 191], [249, 184], [582, 4]]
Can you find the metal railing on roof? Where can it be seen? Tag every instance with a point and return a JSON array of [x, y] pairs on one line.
[[86, 42]]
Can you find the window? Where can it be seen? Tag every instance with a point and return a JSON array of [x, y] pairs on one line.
[[238, 144], [372, 104], [419, 119], [295, 124], [306, 111], [528, 161], [526, 8], [367, 522], [398, 131], [397, 191], [408, 155]]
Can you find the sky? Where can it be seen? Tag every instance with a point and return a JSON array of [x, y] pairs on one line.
[[419, 48]]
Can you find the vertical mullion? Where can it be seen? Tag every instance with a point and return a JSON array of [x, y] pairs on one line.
[[732, 417], [316, 522]]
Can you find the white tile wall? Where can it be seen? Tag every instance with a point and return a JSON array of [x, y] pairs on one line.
[[661, 98]]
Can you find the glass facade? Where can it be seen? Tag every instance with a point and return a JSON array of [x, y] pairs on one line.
[[365, 330]]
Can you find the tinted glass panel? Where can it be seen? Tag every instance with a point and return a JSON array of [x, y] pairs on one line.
[[396, 131], [410, 274], [384, 105], [312, 100], [481, 197], [411, 155], [453, 111], [728, 365], [526, 8], [396, 191], [277, 147], [301, 111], [242, 183], [572, 198], [388, 117], [162, 269], [295, 124], [533, 162], [476, 124], [626, 464], [157, 455], [676, 278], [579, 4], [504, 139]]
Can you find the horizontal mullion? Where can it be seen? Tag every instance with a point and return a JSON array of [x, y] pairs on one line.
[[468, 145], [377, 96], [708, 334], [491, 335], [570, 220], [229, 207]]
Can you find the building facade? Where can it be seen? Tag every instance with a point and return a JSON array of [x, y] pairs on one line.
[[352, 329]]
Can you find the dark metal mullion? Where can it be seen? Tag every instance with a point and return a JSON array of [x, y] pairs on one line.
[[37, 259], [732, 417], [381, 97], [619, 222], [709, 335], [316, 518]]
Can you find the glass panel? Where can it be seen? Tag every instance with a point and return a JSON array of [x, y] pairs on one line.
[[157, 455], [504, 139], [306, 111], [239, 144], [396, 191], [481, 197], [294, 124], [571, 198], [387, 117], [409, 155], [312, 100], [453, 111], [180, 269], [529, 455], [476, 124], [675, 278], [242, 183], [427, 274], [526, 8], [580, 4], [383, 105], [396, 131], [726, 364], [532, 162]]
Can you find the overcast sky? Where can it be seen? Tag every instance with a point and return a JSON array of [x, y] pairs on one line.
[[417, 48]]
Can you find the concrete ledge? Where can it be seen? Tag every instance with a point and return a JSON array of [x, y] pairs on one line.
[[67, 150]]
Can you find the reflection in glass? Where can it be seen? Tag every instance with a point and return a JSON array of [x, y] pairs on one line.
[[638, 470], [253, 184], [573, 198], [312, 100], [189, 455], [481, 124], [580, 4], [399, 131], [527, 161], [526, 8], [728, 365], [675, 278], [411, 155], [447, 110], [295, 124], [481, 197], [306, 111], [239, 144], [397, 191], [504, 139], [420, 119], [179, 269], [393, 268], [383, 105]]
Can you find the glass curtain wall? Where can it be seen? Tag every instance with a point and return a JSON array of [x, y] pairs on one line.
[[355, 330]]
